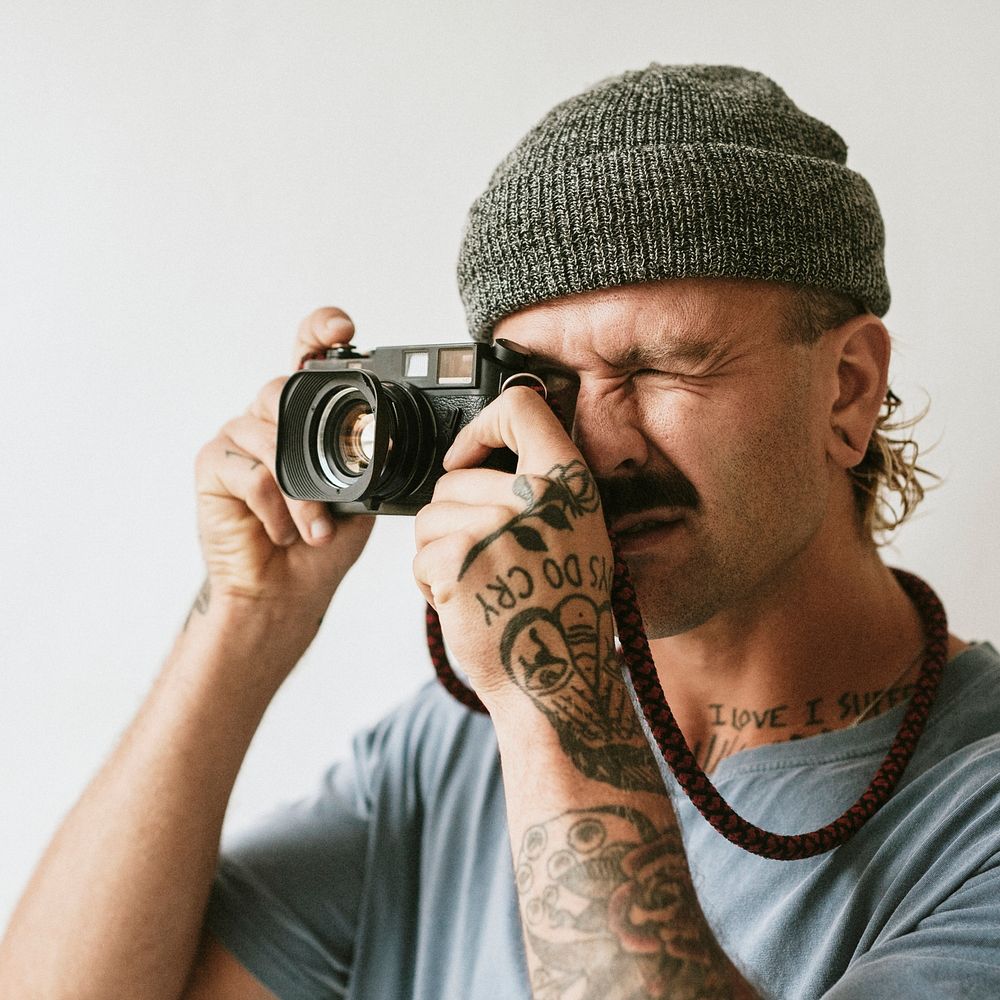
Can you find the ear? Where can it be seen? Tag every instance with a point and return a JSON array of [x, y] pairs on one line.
[[860, 355]]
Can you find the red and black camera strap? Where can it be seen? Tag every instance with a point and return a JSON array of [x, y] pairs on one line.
[[696, 784]]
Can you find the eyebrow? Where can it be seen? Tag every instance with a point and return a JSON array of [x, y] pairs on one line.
[[677, 350], [685, 350]]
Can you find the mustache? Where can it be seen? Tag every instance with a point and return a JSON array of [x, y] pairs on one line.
[[623, 495]]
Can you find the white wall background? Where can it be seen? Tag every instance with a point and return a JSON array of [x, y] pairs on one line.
[[180, 183]]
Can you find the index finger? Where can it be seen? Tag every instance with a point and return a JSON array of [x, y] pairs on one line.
[[321, 329], [518, 419]]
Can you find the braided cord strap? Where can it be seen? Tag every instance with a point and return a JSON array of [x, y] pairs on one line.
[[435, 646], [696, 784]]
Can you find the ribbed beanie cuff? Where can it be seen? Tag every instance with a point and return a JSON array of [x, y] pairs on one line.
[[671, 172]]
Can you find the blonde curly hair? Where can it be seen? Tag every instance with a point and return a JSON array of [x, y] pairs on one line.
[[888, 482]]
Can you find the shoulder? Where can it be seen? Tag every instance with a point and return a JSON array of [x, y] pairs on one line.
[[428, 739], [949, 796], [964, 724]]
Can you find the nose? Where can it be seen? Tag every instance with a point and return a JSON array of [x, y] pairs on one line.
[[608, 432]]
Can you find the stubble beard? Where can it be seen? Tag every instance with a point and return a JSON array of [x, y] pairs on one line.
[[718, 575], [677, 599], [674, 595], [728, 560]]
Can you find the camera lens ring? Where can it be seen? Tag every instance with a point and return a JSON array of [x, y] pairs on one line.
[[529, 380]]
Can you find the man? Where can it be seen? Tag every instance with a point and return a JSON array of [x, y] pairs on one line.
[[685, 256]]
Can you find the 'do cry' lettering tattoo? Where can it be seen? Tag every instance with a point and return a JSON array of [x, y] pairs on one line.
[[563, 657]]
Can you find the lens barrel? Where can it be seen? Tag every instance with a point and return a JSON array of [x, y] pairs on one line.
[[347, 436]]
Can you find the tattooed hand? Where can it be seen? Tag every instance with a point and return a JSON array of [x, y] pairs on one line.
[[565, 661], [519, 570]]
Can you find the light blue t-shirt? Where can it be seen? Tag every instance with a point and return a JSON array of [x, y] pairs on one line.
[[395, 881]]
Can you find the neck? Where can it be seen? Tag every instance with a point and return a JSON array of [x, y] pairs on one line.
[[803, 654]]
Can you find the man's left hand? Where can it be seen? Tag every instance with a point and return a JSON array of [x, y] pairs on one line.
[[518, 566]]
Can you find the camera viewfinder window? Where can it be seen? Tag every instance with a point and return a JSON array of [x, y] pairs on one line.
[[455, 366], [416, 364]]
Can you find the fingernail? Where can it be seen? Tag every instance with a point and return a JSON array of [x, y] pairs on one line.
[[334, 321], [320, 528]]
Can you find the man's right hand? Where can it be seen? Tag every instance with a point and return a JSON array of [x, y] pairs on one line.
[[117, 903], [258, 544]]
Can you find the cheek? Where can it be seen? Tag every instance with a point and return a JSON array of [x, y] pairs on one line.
[[707, 438], [778, 464], [731, 446], [677, 423], [740, 455]]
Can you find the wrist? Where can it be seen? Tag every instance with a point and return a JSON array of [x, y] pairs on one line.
[[255, 641], [587, 738]]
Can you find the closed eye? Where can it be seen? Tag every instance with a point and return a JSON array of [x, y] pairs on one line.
[[659, 374]]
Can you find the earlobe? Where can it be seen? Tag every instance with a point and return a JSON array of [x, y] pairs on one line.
[[844, 452], [862, 350]]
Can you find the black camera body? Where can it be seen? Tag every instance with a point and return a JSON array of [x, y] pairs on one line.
[[366, 433]]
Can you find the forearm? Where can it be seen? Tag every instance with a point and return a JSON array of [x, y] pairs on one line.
[[116, 904], [604, 888]]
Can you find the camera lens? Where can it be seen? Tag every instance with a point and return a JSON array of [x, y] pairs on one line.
[[349, 437], [345, 436]]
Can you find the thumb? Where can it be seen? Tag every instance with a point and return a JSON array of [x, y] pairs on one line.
[[322, 329]]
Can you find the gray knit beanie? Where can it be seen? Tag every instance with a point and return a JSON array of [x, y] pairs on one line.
[[671, 172]]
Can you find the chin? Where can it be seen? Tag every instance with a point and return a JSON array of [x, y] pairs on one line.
[[661, 625], [670, 610]]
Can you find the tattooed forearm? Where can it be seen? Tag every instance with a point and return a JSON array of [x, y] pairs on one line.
[[201, 602], [609, 911], [565, 661]]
